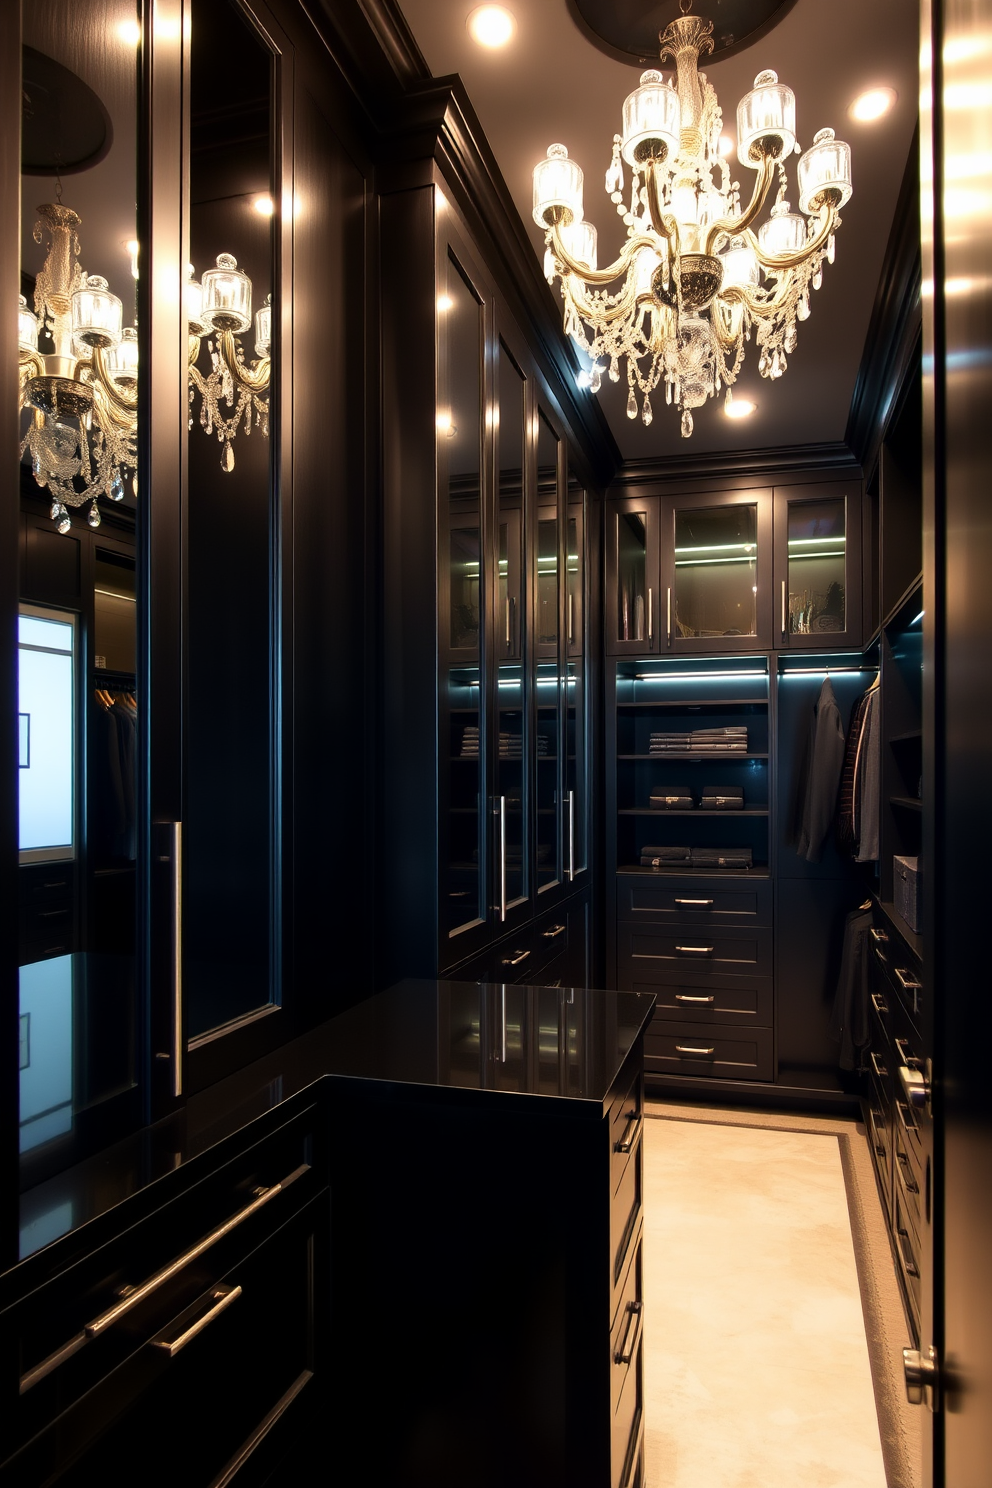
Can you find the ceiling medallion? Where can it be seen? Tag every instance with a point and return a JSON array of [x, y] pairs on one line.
[[695, 280], [628, 31]]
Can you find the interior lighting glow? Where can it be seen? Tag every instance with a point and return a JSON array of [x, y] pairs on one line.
[[131, 249], [491, 25], [718, 548], [264, 206], [445, 425], [872, 105], [806, 541], [740, 408], [444, 303], [129, 32], [697, 676], [727, 146]]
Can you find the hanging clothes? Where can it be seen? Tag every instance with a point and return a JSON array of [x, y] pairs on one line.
[[860, 787], [112, 811], [825, 759], [849, 1022]]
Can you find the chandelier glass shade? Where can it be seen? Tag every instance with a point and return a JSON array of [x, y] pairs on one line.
[[78, 370], [695, 279]]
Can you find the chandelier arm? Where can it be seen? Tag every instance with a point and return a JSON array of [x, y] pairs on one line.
[[253, 379], [193, 349], [668, 230], [734, 225], [600, 276], [30, 364], [757, 309], [784, 261], [109, 412], [115, 396], [728, 334], [601, 315]]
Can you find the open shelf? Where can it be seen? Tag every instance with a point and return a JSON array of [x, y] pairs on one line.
[[652, 811], [696, 704], [709, 756], [685, 870]]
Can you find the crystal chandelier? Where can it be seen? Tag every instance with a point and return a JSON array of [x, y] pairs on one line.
[[695, 279], [82, 396]]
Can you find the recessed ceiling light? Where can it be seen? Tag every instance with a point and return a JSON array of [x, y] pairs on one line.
[[727, 145], [264, 206], [491, 25], [740, 408], [874, 104]]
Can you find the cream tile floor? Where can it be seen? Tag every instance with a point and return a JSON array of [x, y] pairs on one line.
[[756, 1365]]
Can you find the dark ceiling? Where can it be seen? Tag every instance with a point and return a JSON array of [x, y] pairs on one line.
[[552, 84]]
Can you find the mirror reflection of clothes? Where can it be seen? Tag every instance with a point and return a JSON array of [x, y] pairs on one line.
[[112, 817]]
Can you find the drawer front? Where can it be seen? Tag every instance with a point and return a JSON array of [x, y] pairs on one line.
[[708, 1050], [898, 968], [908, 1253], [217, 1393], [669, 955], [744, 1001], [625, 1211], [694, 901], [907, 1162], [97, 1317], [627, 1374], [626, 1119]]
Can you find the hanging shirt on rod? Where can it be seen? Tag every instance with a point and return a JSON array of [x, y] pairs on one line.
[[825, 759]]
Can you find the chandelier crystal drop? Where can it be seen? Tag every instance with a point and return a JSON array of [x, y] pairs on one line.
[[81, 391], [694, 280]]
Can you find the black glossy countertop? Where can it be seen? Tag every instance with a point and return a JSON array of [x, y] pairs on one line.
[[462, 1041]]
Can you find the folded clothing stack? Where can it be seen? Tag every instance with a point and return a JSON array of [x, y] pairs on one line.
[[672, 798], [722, 798], [669, 743], [511, 746], [699, 741], [470, 740]]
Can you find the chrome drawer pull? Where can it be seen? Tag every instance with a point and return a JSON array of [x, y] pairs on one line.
[[684, 1049], [704, 903], [631, 1132], [138, 1294], [907, 982], [911, 1134], [906, 1178], [628, 1347], [880, 1007], [553, 933], [907, 1255], [515, 960], [878, 936], [880, 1070], [686, 997], [695, 950], [915, 1086], [223, 1297]]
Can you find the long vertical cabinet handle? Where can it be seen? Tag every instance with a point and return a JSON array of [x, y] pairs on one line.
[[571, 836], [509, 631], [570, 618], [175, 840], [668, 614], [650, 614], [502, 859], [783, 609]]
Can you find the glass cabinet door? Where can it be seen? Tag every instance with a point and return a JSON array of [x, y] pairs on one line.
[[463, 721], [818, 568], [717, 567], [633, 622], [549, 679], [510, 782]]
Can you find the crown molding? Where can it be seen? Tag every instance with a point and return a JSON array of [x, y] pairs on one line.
[[807, 459]]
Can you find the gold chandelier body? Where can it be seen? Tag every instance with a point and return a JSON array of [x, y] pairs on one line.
[[83, 395], [696, 279]]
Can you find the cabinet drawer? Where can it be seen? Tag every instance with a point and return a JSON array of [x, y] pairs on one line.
[[627, 1370], [907, 1164], [95, 1320], [215, 1393], [669, 954], [626, 1125], [744, 1001], [908, 1253], [625, 1211], [695, 901], [712, 1051]]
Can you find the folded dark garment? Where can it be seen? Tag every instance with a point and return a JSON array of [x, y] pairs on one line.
[[667, 854], [668, 802], [722, 803], [738, 731]]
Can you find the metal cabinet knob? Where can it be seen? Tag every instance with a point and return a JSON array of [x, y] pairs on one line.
[[921, 1373], [916, 1087]]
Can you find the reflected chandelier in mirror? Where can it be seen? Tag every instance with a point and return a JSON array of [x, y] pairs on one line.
[[81, 390]]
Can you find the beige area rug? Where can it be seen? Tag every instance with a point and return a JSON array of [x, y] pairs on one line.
[[758, 1371]]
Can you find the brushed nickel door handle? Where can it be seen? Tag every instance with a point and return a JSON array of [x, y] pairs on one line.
[[631, 1333], [631, 1132], [686, 997], [685, 1049], [516, 960], [695, 950], [703, 903]]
